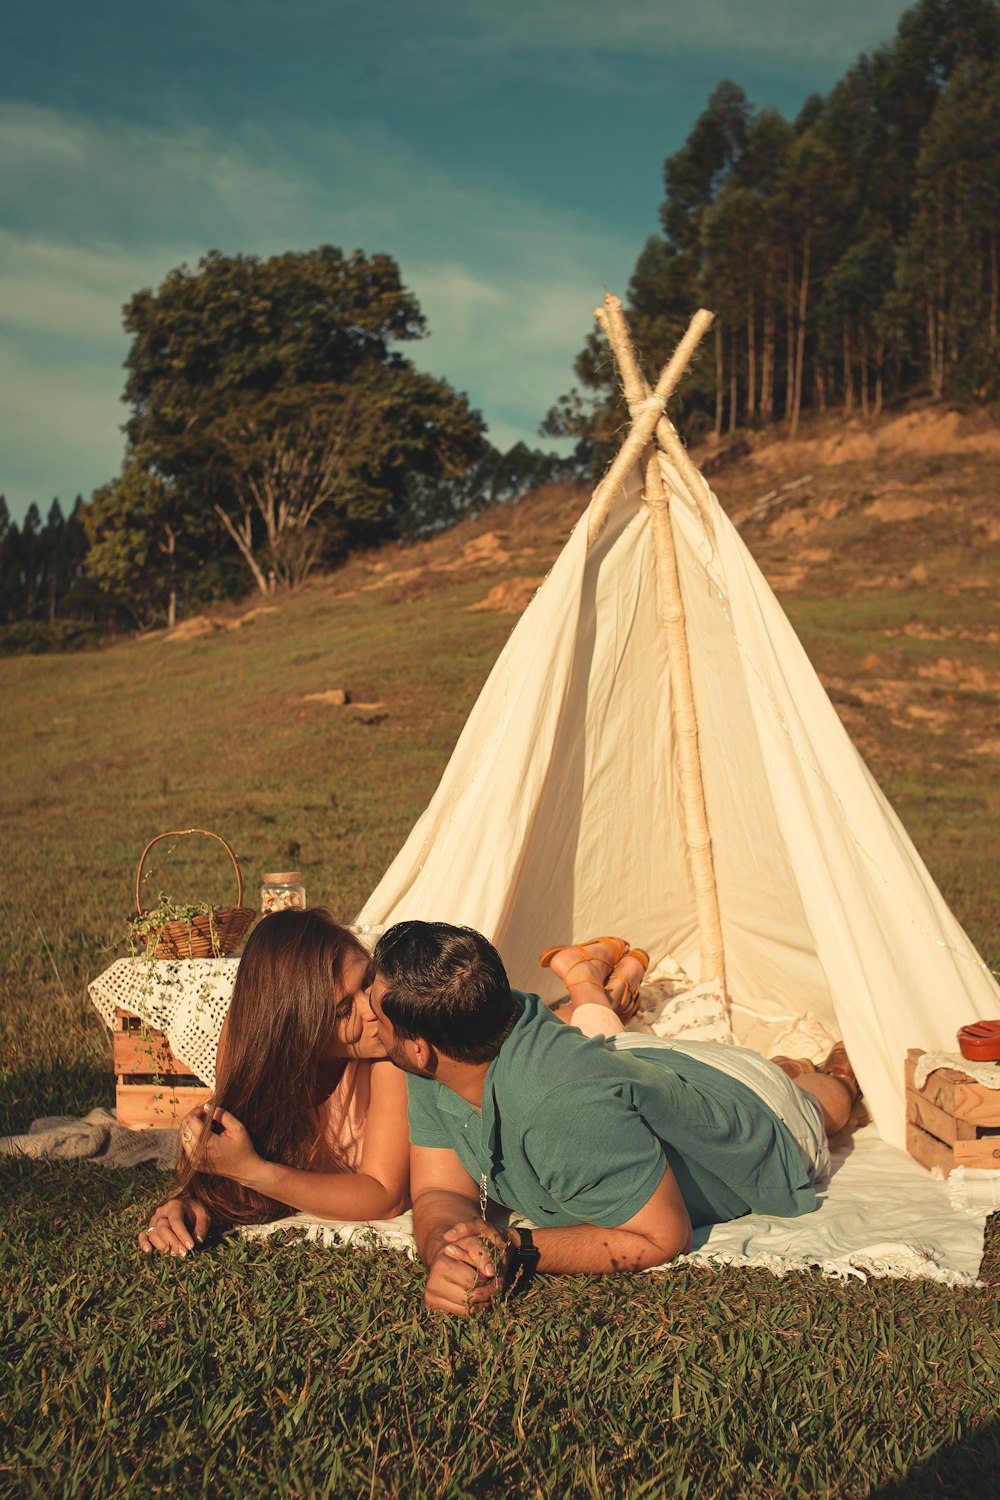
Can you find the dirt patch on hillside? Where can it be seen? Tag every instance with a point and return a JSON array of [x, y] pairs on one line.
[[926, 432], [510, 597]]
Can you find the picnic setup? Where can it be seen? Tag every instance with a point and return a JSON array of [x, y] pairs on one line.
[[653, 753], [499, 624]]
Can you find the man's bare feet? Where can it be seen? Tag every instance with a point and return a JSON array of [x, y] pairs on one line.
[[833, 1085]]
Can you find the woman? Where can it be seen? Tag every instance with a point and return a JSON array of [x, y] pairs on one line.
[[307, 1112]]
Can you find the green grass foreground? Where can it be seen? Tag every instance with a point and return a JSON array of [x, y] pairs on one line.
[[270, 1369]]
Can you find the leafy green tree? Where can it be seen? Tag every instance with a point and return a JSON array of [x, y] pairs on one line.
[[248, 374], [29, 553], [857, 312], [854, 248], [693, 175], [9, 563]]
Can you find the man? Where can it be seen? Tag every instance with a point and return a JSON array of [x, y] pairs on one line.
[[613, 1151]]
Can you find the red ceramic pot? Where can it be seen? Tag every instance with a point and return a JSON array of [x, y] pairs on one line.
[[980, 1041]]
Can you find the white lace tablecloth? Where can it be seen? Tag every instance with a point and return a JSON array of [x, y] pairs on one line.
[[986, 1073], [187, 998]]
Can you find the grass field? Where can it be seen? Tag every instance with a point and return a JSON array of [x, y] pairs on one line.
[[260, 1369]]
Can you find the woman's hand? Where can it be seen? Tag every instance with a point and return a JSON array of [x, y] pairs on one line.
[[228, 1149], [172, 1224]]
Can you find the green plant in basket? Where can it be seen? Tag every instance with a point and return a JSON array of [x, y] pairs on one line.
[[196, 929], [148, 929]]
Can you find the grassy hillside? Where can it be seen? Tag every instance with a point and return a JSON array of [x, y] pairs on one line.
[[319, 1369]]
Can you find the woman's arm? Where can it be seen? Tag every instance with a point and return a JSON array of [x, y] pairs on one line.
[[379, 1188]]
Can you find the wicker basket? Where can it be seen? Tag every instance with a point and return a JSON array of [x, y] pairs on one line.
[[208, 935]]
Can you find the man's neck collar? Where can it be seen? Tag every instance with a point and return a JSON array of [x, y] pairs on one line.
[[467, 1080]]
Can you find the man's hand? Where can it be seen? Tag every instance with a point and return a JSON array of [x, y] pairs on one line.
[[228, 1149], [467, 1274], [172, 1225]]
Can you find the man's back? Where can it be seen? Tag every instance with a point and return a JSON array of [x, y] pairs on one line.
[[572, 1131]]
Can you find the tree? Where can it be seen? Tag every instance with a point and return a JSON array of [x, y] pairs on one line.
[[857, 247], [950, 265], [857, 313], [10, 564], [247, 377], [290, 457], [140, 544]]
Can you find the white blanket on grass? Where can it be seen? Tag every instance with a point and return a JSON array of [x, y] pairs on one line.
[[881, 1214]]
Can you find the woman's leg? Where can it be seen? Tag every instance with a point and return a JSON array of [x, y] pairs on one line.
[[586, 969]]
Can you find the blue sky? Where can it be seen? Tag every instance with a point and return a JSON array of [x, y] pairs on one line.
[[508, 155]]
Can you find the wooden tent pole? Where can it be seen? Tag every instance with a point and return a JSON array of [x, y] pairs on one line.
[[666, 433], [685, 721], [644, 423]]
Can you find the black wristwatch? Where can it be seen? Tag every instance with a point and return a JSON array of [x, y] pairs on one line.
[[522, 1264]]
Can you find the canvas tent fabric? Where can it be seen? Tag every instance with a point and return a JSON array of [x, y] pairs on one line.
[[559, 813]]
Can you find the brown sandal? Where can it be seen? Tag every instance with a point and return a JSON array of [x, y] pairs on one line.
[[625, 1005], [618, 948]]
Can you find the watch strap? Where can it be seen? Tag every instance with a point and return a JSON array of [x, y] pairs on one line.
[[522, 1265]]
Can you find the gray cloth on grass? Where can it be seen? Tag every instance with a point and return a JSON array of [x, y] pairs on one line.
[[97, 1137]]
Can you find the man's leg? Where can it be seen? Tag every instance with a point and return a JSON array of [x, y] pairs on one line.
[[833, 1097]]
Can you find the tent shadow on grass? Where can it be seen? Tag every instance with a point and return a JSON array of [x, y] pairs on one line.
[[961, 1470]]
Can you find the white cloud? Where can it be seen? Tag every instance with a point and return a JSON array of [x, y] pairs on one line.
[[73, 292], [507, 283], [780, 29]]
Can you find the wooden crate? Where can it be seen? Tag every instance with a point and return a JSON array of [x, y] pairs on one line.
[[155, 1089], [952, 1121]]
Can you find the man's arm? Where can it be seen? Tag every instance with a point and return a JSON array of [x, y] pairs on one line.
[[656, 1234], [660, 1231]]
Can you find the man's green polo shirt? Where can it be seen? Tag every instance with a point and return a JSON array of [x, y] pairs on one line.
[[574, 1133]]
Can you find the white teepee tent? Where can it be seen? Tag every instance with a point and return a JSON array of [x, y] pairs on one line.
[[571, 803]]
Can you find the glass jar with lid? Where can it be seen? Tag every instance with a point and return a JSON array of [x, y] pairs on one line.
[[282, 891]]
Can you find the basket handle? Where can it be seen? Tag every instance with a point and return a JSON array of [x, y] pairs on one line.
[[180, 833]]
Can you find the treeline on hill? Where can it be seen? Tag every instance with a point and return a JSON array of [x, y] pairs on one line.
[[850, 257], [274, 426]]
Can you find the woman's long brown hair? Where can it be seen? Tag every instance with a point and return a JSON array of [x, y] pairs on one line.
[[288, 990]]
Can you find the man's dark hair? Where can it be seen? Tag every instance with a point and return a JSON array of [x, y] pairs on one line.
[[448, 986]]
